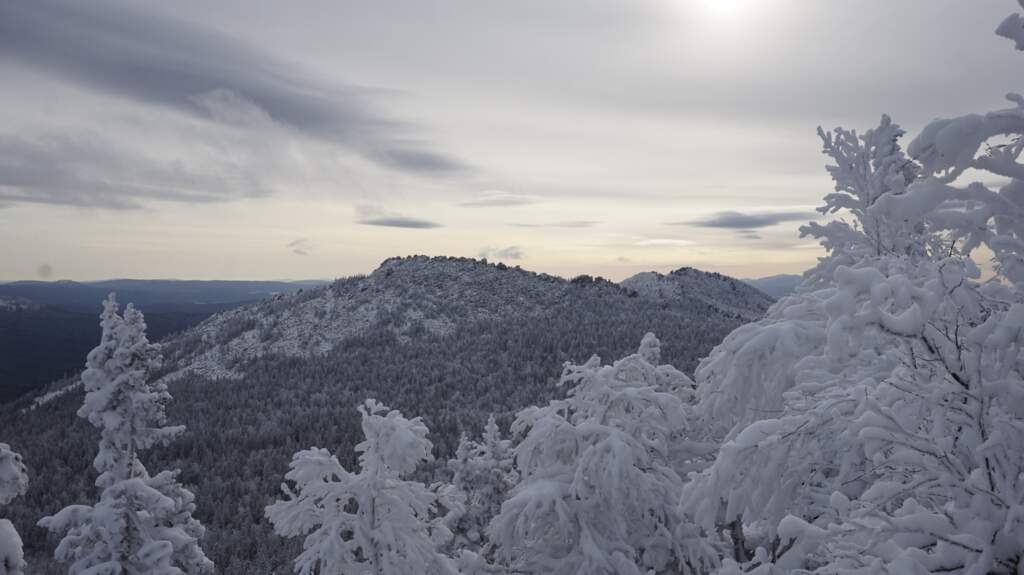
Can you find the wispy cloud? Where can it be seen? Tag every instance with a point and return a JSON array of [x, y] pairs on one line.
[[89, 170], [299, 247], [734, 220], [374, 216], [508, 253], [569, 224], [125, 51], [400, 222], [496, 198], [656, 242]]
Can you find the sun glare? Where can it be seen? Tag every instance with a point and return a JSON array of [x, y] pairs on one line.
[[725, 7]]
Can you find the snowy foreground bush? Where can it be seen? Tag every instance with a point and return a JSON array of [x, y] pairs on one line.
[[874, 421], [13, 482]]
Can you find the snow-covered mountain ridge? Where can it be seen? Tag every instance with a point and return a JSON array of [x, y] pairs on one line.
[[713, 289], [420, 294]]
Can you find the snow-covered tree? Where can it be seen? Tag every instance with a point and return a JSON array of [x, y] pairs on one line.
[[141, 524], [13, 482], [598, 487], [483, 472], [873, 421], [373, 521]]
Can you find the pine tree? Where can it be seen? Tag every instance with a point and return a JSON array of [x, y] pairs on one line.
[[598, 490], [141, 523], [373, 521], [13, 482], [483, 471]]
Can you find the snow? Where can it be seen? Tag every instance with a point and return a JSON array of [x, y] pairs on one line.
[[12, 558], [726, 294], [393, 522], [13, 482], [162, 537], [892, 445], [412, 292], [13, 475], [595, 493]]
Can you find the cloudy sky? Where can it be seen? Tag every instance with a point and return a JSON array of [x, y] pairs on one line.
[[266, 140]]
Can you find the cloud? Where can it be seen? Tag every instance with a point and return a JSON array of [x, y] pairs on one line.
[[495, 198], [299, 247], [509, 253], [120, 50], [373, 216], [400, 222], [748, 221], [749, 234], [86, 169], [569, 224], [657, 242]]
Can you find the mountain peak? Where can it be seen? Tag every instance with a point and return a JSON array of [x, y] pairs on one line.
[[434, 263], [722, 292]]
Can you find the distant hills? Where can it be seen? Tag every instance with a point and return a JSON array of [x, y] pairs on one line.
[[46, 328], [448, 339], [777, 285], [150, 295]]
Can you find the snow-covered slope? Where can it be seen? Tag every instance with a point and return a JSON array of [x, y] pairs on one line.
[[724, 293], [420, 294], [411, 295]]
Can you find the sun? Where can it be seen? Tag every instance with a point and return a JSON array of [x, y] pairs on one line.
[[725, 7]]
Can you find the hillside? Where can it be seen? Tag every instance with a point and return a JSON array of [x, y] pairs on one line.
[[46, 328], [421, 295], [724, 293], [446, 338]]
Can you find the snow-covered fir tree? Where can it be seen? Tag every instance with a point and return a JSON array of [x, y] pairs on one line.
[[484, 472], [141, 524], [598, 490], [13, 482], [374, 521], [877, 415]]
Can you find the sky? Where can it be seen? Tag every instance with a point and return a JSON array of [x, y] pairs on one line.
[[249, 139]]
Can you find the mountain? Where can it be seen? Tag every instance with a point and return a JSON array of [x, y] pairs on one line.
[[428, 295], [46, 328], [721, 292], [448, 339], [778, 285], [154, 295]]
